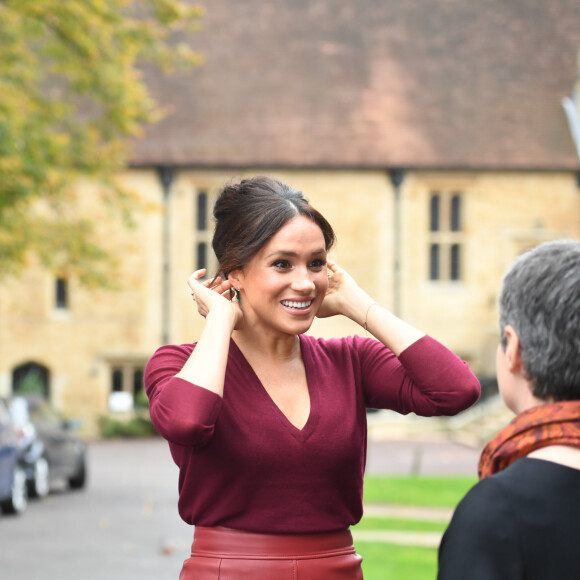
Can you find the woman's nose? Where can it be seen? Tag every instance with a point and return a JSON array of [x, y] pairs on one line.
[[302, 280]]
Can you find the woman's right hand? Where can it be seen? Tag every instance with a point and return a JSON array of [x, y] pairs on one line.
[[215, 295], [206, 366]]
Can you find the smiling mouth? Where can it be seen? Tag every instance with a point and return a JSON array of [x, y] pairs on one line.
[[297, 305]]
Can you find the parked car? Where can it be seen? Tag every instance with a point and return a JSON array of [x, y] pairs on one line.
[[31, 446], [53, 451], [13, 489]]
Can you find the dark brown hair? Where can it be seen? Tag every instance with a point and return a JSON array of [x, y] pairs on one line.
[[247, 214]]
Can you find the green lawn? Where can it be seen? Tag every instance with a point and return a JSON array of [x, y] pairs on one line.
[[382, 561], [389, 562], [417, 490], [369, 523]]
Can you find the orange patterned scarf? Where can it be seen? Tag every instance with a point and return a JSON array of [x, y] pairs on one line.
[[549, 424]]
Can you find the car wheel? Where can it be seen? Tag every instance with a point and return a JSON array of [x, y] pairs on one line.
[[39, 486], [79, 480], [19, 499]]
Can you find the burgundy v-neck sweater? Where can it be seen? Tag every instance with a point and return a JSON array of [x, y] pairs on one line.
[[244, 465]]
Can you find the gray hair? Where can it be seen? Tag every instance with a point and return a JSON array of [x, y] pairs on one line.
[[540, 299]]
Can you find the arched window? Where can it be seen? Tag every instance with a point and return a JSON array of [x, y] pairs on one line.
[[31, 378]]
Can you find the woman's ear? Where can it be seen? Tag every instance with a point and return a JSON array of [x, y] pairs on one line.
[[235, 277], [512, 351]]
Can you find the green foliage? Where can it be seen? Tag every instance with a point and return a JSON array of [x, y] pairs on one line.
[[73, 96], [137, 426], [31, 384], [141, 400]]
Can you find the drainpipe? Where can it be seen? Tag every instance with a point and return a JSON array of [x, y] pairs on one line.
[[397, 176], [166, 175], [571, 110], [571, 106]]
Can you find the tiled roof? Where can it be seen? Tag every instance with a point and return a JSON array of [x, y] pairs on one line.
[[373, 83]]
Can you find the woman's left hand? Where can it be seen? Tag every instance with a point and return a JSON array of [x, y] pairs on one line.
[[344, 296], [342, 292]]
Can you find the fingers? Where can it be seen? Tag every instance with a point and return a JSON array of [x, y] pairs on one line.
[[222, 286], [193, 281], [333, 267], [339, 279], [217, 284]]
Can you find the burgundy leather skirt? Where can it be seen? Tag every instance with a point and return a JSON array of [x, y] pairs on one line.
[[226, 554]]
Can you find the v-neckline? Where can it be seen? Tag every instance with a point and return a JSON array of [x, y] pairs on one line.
[[312, 386]]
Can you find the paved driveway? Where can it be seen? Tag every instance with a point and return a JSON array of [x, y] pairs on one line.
[[125, 526], [406, 457]]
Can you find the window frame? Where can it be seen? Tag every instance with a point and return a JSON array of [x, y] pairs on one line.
[[61, 293], [203, 255], [446, 238]]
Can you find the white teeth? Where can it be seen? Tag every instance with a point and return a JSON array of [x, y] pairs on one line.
[[289, 304]]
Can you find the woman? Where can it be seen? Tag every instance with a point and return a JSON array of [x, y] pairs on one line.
[[520, 522], [267, 424]]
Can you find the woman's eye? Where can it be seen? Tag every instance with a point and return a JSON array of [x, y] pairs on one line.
[[282, 264], [318, 264]]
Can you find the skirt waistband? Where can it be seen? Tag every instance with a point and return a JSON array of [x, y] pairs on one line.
[[229, 543]]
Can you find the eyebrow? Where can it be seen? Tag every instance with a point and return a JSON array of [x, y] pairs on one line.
[[293, 254]]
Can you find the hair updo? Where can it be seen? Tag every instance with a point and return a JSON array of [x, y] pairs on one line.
[[247, 214]]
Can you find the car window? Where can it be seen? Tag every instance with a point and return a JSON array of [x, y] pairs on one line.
[[43, 413]]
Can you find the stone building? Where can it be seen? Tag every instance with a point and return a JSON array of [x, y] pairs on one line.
[[440, 139]]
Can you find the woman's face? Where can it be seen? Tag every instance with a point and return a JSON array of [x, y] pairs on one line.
[[284, 284]]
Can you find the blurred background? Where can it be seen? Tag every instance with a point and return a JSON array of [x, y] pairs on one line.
[[440, 138]]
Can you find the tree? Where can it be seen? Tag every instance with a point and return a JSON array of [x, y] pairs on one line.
[[72, 95]]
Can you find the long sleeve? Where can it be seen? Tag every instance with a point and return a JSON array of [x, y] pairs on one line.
[[181, 412], [427, 378]]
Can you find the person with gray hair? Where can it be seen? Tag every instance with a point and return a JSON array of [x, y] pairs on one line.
[[520, 521]]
